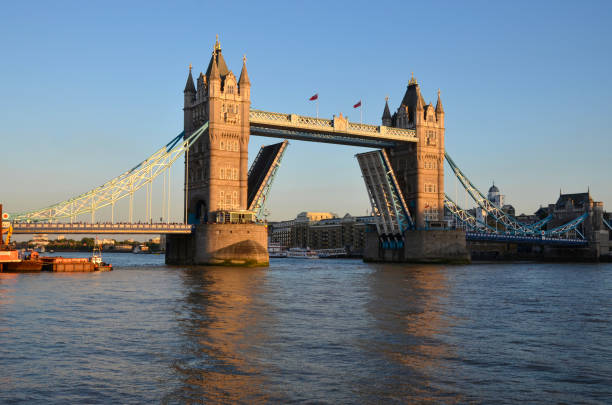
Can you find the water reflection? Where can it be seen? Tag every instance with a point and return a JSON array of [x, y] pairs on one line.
[[222, 333], [407, 305]]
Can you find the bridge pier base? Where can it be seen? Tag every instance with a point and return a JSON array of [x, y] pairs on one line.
[[221, 245], [431, 246]]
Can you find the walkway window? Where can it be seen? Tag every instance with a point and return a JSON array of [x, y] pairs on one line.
[[221, 201]]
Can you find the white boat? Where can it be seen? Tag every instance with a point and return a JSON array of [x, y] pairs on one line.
[[299, 253], [331, 253], [276, 250]]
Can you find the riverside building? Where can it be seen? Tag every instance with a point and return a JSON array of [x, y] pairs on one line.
[[322, 230]]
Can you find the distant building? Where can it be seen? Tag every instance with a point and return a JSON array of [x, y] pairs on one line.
[[570, 206], [40, 240], [497, 199], [105, 242], [322, 230]]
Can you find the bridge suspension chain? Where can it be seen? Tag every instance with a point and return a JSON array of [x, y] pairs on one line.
[[569, 226], [538, 225], [465, 217], [511, 224], [124, 185]]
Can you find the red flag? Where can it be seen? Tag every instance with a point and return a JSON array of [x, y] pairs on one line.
[[316, 96], [357, 105]]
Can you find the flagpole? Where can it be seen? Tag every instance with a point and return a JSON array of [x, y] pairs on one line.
[[317, 103], [361, 112]]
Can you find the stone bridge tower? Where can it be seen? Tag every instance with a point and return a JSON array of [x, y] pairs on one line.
[[216, 167], [420, 167], [216, 172]]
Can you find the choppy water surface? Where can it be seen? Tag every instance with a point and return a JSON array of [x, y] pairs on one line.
[[332, 331]]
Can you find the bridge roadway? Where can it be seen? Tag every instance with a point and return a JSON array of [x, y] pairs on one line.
[[100, 228], [337, 130], [536, 240]]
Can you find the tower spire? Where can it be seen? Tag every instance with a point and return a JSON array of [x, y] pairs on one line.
[[412, 79], [189, 86], [420, 103], [386, 117], [244, 76], [214, 70], [439, 108]]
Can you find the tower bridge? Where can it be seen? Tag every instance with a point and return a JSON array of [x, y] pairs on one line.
[[224, 200]]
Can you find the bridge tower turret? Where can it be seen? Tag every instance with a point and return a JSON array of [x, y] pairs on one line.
[[386, 117], [420, 167], [189, 99]]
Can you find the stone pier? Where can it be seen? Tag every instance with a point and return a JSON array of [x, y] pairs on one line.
[[422, 246], [220, 244]]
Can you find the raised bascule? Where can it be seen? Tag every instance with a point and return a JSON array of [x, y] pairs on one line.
[[224, 200]]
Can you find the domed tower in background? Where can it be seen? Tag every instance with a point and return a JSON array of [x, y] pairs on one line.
[[495, 196]]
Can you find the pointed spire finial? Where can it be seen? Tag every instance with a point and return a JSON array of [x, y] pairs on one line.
[[244, 76], [386, 117], [214, 71], [412, 79], [189, 86], [217, 44], [439, 108]]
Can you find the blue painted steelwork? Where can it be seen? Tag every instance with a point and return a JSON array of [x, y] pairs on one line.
[[511, 224], [259, 201], [570, 226], [538, 225], [388, 204], [399, 205], [539, 240], [607, 224], [118, 188], [401, 209], [319, 137], [465, 217]]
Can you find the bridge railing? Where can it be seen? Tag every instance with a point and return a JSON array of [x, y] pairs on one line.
[[338, 124], [100, 227]]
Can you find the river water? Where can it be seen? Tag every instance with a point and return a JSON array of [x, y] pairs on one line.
[[316, 331]]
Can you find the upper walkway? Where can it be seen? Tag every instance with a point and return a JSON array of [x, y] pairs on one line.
[[101, 228], [337, 130]]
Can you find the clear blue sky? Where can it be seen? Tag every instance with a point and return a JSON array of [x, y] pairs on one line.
[[88, 90]]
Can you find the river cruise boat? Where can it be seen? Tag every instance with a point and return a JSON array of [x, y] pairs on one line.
[[276, 250], [299, 253]]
